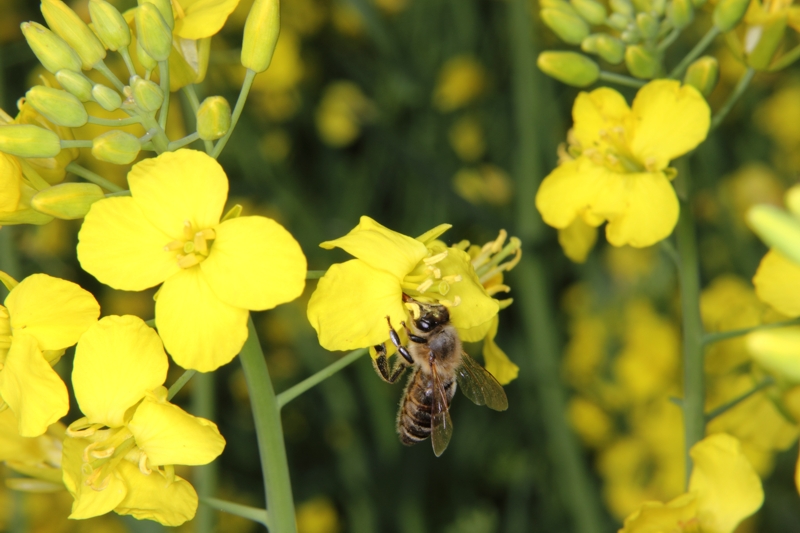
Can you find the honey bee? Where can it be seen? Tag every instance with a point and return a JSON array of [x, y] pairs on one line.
[[440, 365]]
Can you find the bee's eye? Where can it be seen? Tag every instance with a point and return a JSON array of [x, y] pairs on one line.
[[424, 325]]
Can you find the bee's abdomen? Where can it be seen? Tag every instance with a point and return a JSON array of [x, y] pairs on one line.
[[414, 417]]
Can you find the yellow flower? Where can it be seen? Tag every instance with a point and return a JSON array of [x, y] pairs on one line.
[[120, 456], [341, 112], [348, 309], [42, 317], [577, 240], [169, 230], [723, 490], [462, 80], [37, 457], [485, 184], [620, 171]]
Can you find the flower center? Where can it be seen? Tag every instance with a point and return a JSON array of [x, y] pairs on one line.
[[427, 284], [613, 152], [194, 247]]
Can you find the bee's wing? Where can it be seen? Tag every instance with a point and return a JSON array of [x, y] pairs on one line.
[[441, 425], [479, 385]]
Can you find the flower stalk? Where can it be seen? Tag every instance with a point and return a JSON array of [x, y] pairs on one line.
[[293, 392], [237, 112]]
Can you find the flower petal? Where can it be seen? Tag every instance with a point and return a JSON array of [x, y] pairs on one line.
[[154, 498], [348, 309], [10, 178], [569, 189], [88, 502], [777, 282], [31, 388], [255, 264], [199, 330], [495, 360], [55, 311], [667, 121], [117, 362], [595, 112], [577, 240], [204, 18], [381, 248], [476, 306], [171, 436], [778, 351], [121, 248], [433, 233], [178, 186], [655, 517]]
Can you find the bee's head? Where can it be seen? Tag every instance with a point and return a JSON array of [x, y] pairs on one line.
[[430, 316]]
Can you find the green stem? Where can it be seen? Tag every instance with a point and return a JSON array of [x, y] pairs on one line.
[[88, 175], [714, 413], [668, 40], [710, 338], [237, 112], [163, 72], [101, 67], [698, 49], [315, 274], [159, 137], [194, 102], [205, 476], [272, 450], [669, 249], [293, 392], [126, 57], [75, 144], [114, 122], [245, 511], [737, 93], [178, 385], [180, 143], [619, 79]]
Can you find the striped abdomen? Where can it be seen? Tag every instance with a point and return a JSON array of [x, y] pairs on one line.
[[414, 417]]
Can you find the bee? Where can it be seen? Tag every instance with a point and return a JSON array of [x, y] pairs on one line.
[[440, 366]]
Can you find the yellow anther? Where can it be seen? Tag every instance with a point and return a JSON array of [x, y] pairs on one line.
[[143, 465], [424, 286], [102, 454], [437, 274], [432, 260], [454, 303], [174, 245], [494, 289], [188, 231], [188, 261], [650, 164], [452, 278]]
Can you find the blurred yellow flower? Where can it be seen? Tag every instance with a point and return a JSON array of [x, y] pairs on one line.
[[577, 240], [318, 515], [485, 184], [274, 91], [592, 424], [467, 138], [36, 457], [462, 79], [753, 183], [342, 111]]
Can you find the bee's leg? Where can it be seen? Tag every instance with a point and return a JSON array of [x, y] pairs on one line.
[[402, 350], [412, 337], [381, 365]]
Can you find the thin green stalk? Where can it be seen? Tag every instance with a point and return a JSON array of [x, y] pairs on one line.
[[180, 143], [293, 392], [245, 511], [126, 57], [194, 102], [698, 49], [237, 112], [159, 137], [205, 476], [75, 144], [114, 122], [710, 338], [121, 193], [179, 384], [669, 249], [88, 175], [668, 40], [737, 93], [163, 73], [271, 448], [714, 413], [315, 274], [110, 76], [619, 79]]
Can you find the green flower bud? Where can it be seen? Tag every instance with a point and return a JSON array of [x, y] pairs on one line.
[[108, 98], [698, 3], [618, 22], [680, 13], [75, 84], [569, 67], [658, 7], [770, 40], [144, 58], [69, 26], [592, 11], [165, 8], [116, 146], [57, 106], [570, 28], [778, 229], [146, 94], [153, 32], [261, 34], [213, 118], [609, 48], [641, 62], [647, 25], [109, 24], [27, 140], [623, 7], [631, 35], [51, 50], [728, 13], [67, 201], [703, 74]]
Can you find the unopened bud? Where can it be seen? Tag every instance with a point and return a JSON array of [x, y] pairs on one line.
[[569, 67], [641, 62], [165, 8], [658, 7], [69, 26], [703, 74], [116, 146], [57, 106], [27, 140], [213, 118], [153, 32], [647, 25], [768, 38], [592, 11], [261, 34], [728, 13], [609, 48], [51, 50], [569, 27], [146, 94], [680, 13], [75, 84], [618, 22], [109, 24], [144, 58], [623, 7], [67, 201], [631, 36], [778, 229], [108, 98]]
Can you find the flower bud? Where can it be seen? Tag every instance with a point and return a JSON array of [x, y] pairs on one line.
[[67, 201], [27, 140], [153, 32], [569, 67], [770, 39], [75, 84], [110, 25], [69, 26], [592, 11], [116, 146], [108, 98], [144, 58], [609, 48], [703, 74], [623, 7], [647, 25], [57, 106], [146, 94], [641, 62], [618, 22], [569, 27], [213, 118], [777, 228], [728, 13], [680, 13], [658, 7], [631, 35], [261, 34], [698, 3], [51, 50], [165, 8]]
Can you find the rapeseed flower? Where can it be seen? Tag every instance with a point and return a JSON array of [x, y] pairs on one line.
[[37, 457], [213, 271], [120, 456], [617, 170], [42, 317]]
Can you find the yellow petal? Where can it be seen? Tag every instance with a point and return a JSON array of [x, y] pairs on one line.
[[434, 233], [381, 248], [13, 447], [656, 517], [199, 330], [88, 502], [10, 178], [117, 362], [121, 248], [667, 121], [204, 18], [476, 306], [31, 388], [495, 360], [475, 333], [153, 498], [171, 436], [728, 489], [348, 309], [179, 186], [596, 112], [55, 311], [569, 190], [255, 264], [777, 350], [777, 282], [577, 240]]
